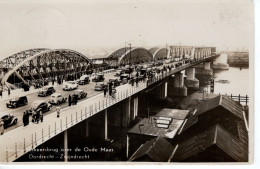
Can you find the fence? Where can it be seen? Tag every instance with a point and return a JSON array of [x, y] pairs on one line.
[[68, 117], [240, 99], [26, 140]]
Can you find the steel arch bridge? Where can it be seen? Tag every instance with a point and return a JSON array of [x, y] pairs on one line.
[[41, 64], [130, 55], [159, 53]]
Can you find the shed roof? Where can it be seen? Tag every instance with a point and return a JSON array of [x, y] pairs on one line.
[[224, 101], [170, 122], [215, 135], [173, 113], [158, 149]]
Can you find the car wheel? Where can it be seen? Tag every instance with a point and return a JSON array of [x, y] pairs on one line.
[[15, 121]]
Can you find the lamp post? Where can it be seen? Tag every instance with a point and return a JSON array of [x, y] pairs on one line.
[[130, 53]]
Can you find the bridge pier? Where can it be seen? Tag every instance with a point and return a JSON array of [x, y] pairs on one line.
[[206, 71], [191, 82], [178, 88], [221, 62]]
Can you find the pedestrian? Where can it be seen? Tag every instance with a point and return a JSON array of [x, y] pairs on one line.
[[58, 112], [137, 74], [37, 116], [132, 81], [24, 119], [52, 81], [9, 92], [41, 116], [110, 88], [105, 91], [27, 117], [76, 99], [1, 93], [69, 100], [137, 82], [1, 127]]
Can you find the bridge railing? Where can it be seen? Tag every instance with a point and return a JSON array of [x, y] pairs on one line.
[[69, 116]]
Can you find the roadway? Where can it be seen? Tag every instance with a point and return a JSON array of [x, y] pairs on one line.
[[89, 88], [18, 112]]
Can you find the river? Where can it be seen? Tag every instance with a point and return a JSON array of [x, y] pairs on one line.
[[238, 81]]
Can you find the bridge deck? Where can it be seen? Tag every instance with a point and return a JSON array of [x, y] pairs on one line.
[[17, 142]]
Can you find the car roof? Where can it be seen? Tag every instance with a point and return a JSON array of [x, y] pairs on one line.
[[79, 90], [56, 94]]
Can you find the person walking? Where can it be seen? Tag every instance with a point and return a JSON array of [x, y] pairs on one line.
[[69, 100], [58, 112], [27, 117], [110, 89], [24, 119], [9, 92], [132, 81], [105, 91], [37, 116], [41, 116], [76, 99], [137, 80]]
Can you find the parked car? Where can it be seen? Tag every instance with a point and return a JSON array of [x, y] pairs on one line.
[[9, 120], [124, 78], [119, 72], [98, 78], [100, 86], [115, 80], [70, 85], [84, 80], [45, 91], [57, 98], [17, 102], [40, 106], [80, 94]]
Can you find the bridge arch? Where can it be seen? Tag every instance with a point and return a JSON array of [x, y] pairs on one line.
[[35, 64], [133, 55], [160, 53]]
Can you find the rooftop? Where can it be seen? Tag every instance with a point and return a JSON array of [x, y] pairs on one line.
[[157, 149], [215, 135], [166, 123]]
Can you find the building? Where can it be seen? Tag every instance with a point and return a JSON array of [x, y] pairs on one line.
[[166, 124]]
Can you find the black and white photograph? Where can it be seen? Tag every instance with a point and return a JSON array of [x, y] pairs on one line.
[[127, 82]]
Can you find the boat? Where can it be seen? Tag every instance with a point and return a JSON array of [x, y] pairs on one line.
[[222, 81]]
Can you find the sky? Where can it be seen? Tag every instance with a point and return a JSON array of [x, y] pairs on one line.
[[97, 27]]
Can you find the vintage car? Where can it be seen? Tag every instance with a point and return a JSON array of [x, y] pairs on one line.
[[17, 102], [9, 120], [116, 81], [84, 80], [100, 86], [98, 78], [80, 94], [70, 85], [119, 72], [45, 91], [40, 106], [124, 78], [57, 98]]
